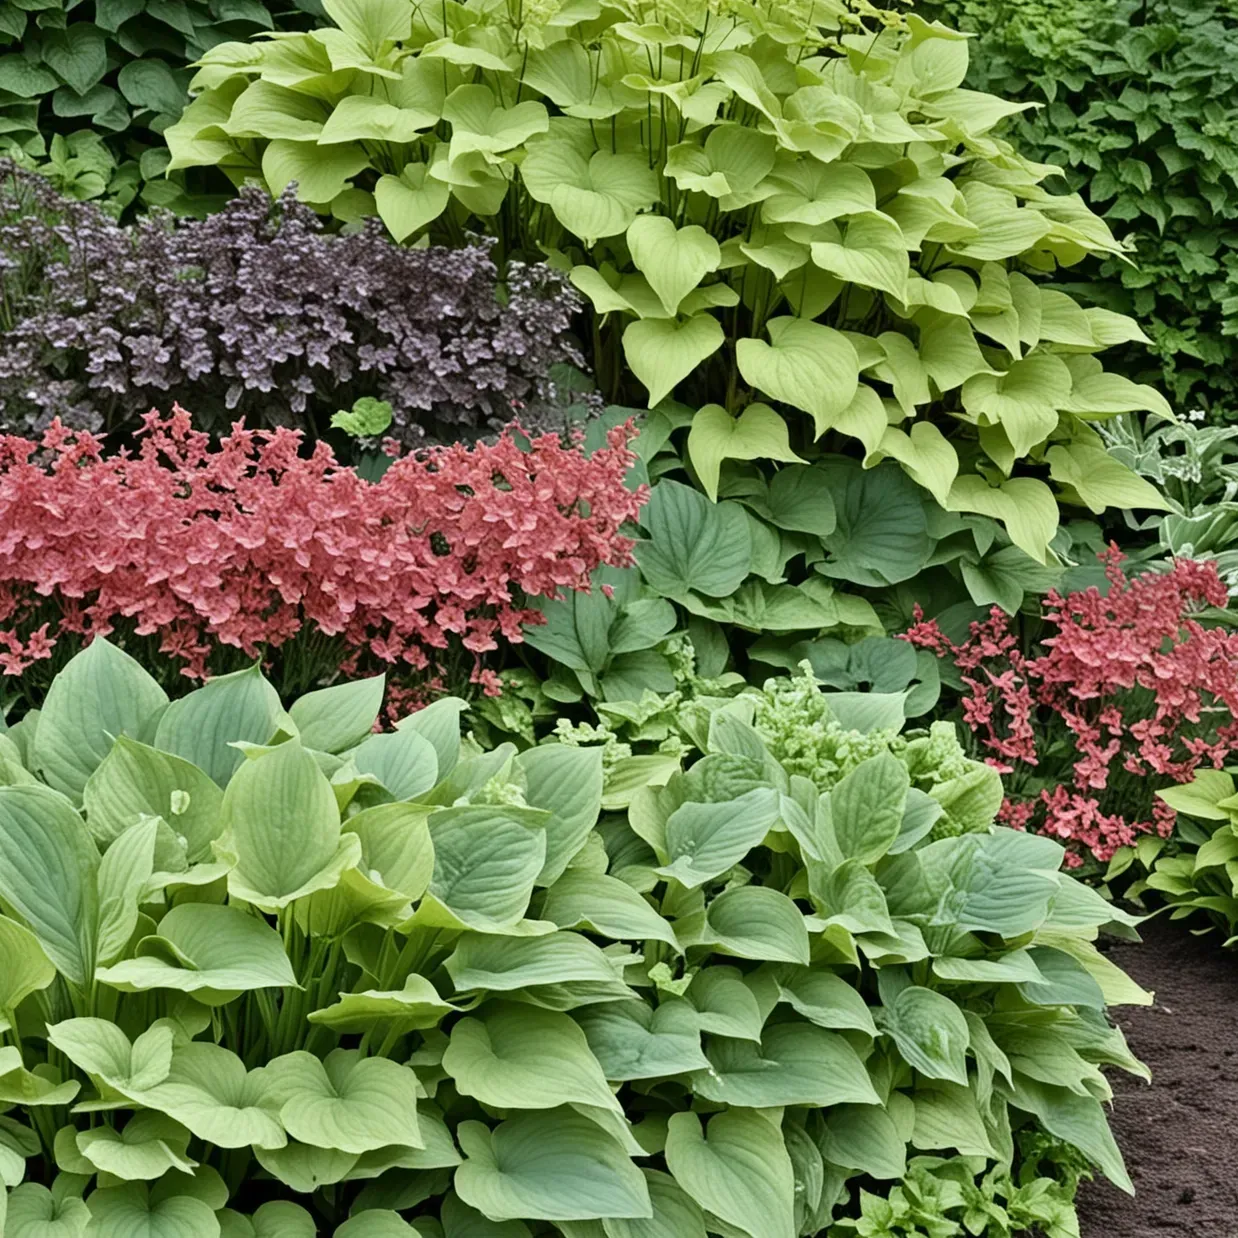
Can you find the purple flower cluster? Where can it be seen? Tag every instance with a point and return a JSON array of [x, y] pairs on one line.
[[257, 313]]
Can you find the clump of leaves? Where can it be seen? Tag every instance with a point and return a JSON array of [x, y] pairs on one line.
[[256, 312], [1138, 105], [267, 971], [87, 88], [796, 220], [1196, 873]]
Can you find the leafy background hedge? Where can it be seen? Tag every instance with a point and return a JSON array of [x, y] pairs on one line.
[[1138, 104], [87, 88]]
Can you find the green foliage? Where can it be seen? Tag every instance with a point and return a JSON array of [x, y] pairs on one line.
[[86, 88], [1198, 870], [1139, 98], [266, 972], [793, 219]]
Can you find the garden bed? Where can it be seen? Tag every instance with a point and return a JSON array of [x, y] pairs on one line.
[[1179, 1136]]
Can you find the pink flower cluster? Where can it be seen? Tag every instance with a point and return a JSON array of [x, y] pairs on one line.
[[250, 542], [1129, 681]]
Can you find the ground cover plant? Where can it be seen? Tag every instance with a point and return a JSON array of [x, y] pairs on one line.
[[268, 972], [207, 556], [1137, 101], [87, 87], [796, 221], [257, 313]]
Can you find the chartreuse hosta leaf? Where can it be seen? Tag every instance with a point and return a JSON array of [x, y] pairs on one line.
[[284, 829], [554, 1165]]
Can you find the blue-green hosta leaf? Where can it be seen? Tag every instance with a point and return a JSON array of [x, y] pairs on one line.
[[340, 717], [850, 896], [416, 1005], [757, 922], [661, 352], [34, 1212], [1004, 882], [403, 761], [103, 1051], [947, 1116], [555, 1165], [565, 782], [285, 829], [724, 1004], [515, 1057], [806, 365], [135, 780], [123, 875], [633, 1040], [347, 1103], [864, 1137], [208, 1090], [867, 807], [592, 196], [604, 905], [825, 999], [675, 1213], [881, 536], [24, 966], [703, 841], [439, 722], [277, 1219], [396, 851], [202, 948], [502, 964], [1015, 967], [134, 1211], [305, 1168], [693, 544], [48, 870], [794, 1064], [1079, 1120], [100, 695], [376, 1223], [930, 1032], [737, 1168], [203, 726], [486, 859], [149, 1146]]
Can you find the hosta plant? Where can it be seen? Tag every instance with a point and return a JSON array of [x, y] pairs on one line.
[[269, 972], [793, 218], [1200, 872]]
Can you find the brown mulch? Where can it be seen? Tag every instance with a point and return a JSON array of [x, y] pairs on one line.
[[1179, 1135]]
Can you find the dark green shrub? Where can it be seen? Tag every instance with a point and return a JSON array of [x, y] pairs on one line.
[[1141, 113], [86, 88]]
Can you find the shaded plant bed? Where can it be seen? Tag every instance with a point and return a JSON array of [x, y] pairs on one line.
[[1179, 1136]]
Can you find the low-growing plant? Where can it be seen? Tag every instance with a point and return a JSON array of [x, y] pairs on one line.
[[268, 972], [214, 556], [256, 313], [87, 87], [795, 219], [1136, 103], [1199, 872], [1126, 691]]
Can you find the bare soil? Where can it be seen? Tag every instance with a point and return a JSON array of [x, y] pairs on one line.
[[1179, 1135]]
